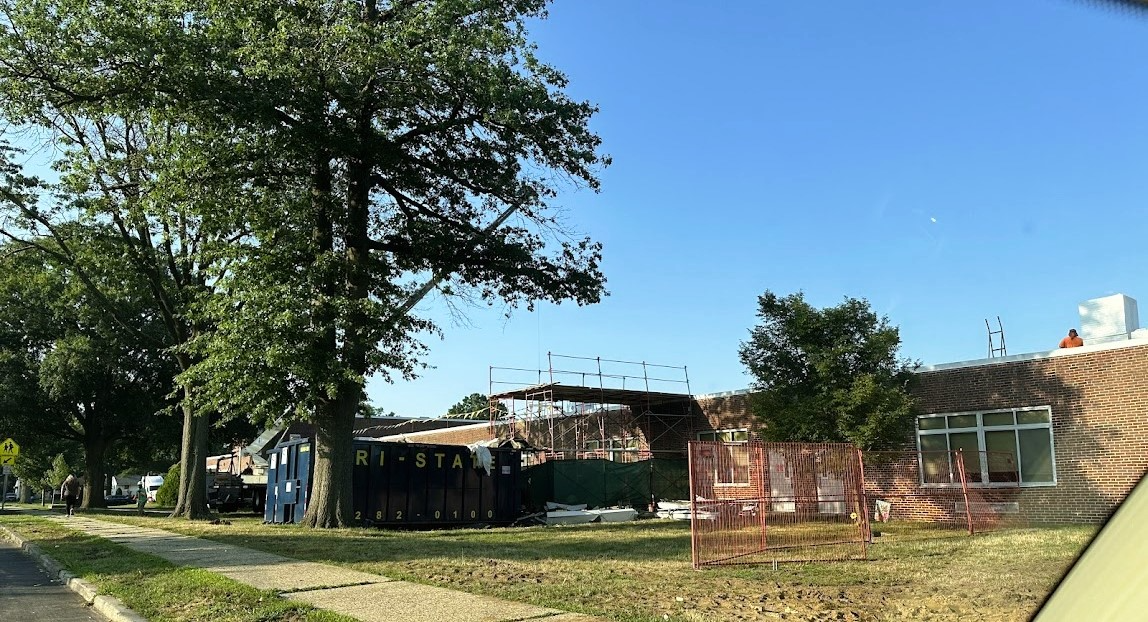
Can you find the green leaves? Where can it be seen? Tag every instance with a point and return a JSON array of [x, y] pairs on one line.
[[290, 180], [410, 143], [474, 406], [828, 375]]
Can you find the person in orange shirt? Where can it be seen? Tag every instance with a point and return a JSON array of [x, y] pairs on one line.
[[1071, 341]]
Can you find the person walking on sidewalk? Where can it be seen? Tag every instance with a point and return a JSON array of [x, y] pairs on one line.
[[70, 490], [141, 498]]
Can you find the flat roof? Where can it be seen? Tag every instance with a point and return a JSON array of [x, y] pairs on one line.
[[1032, 356], [1028, 356], [710, 396], [559, 392]]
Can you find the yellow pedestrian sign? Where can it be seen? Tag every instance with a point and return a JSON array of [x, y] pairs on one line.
[[9, 449]]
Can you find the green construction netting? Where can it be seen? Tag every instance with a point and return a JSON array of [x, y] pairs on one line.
[[602, 483]]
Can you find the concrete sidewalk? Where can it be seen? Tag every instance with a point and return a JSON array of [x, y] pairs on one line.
[[367, 597]]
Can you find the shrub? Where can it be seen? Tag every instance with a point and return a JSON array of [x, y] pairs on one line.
[[168, 493]]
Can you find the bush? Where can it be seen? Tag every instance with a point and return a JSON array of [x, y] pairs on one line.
[[168, 493]]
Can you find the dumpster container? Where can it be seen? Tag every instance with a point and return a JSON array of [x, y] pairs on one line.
[[288, 481], [404, 484], [409, 484]]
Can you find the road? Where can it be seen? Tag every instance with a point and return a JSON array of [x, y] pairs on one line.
[[26, 593]]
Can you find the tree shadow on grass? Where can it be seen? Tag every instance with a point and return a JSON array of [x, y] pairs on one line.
[[643, 541]]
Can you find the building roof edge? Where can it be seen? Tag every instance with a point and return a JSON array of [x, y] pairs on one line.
[[1034, 356]]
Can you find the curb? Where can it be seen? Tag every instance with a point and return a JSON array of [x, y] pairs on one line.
[[108, 606]]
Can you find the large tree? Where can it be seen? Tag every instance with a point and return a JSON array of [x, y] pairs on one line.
[[77, 84], [422, 141], [389, 150], [66, 369], [125, 177], [828, 375]]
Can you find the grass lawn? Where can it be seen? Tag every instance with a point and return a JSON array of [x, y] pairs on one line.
[[641, 571], [154, 587]]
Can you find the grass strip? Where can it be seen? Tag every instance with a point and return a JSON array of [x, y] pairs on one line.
[[640, 572], [155, 588]]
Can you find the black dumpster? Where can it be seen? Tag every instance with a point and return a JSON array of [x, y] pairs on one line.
[[416, 485]]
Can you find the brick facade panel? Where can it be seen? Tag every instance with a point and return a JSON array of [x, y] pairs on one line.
[[726, 412], [1099, 402]]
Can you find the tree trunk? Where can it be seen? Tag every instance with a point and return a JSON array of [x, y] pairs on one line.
[[95, 446], [192, 502], [329, 504]]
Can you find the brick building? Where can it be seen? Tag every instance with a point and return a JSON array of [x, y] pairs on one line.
[[1073, 422], [1078, 418], [1075, 419]]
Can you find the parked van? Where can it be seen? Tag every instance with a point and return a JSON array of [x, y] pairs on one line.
[[150, 484]]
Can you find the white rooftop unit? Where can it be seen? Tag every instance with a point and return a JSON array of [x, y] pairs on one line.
[[1110, 318]]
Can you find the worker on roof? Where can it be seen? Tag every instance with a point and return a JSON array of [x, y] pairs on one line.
[[1072, 340]]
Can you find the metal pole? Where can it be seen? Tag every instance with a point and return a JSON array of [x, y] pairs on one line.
[[4, 493], [764, 497], [965, 488], [693, 507], [863, 502], [989, 328]]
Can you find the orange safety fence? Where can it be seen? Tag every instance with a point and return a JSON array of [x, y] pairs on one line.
[[969, 491], [755, 502]]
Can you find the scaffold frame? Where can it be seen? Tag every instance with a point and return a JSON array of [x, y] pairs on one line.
[[592, 407]]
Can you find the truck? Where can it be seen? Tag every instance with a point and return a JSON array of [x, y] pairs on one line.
[[227, 492], [236, 482], [149, 484]]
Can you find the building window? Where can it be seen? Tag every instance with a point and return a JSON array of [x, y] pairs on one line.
[[615, 449], [727, 436], [732, 467], [1000, 447]]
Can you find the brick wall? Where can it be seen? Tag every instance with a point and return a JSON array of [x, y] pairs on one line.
[[725, 412], [463, 435], [895, 477], [1099, 402]]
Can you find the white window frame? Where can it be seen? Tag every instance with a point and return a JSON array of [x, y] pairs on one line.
[[615, 448], [980, 430], [717, 435]]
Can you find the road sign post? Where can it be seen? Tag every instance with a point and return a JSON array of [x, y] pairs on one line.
[[9, 449]]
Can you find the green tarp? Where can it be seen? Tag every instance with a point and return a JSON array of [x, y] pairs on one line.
[[602, 483]]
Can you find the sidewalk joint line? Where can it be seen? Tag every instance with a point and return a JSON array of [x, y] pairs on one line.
[[304, 590]]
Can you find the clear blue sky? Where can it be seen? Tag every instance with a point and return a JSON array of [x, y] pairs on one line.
[[809, 146]]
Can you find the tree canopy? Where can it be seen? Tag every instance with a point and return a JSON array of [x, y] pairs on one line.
[[334, 161], [828, 375], [68, 370], [473, 406]]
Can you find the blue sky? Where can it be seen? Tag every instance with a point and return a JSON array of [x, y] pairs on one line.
[[949, 162]]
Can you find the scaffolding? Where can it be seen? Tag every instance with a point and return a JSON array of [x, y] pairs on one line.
[[591, 407]]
